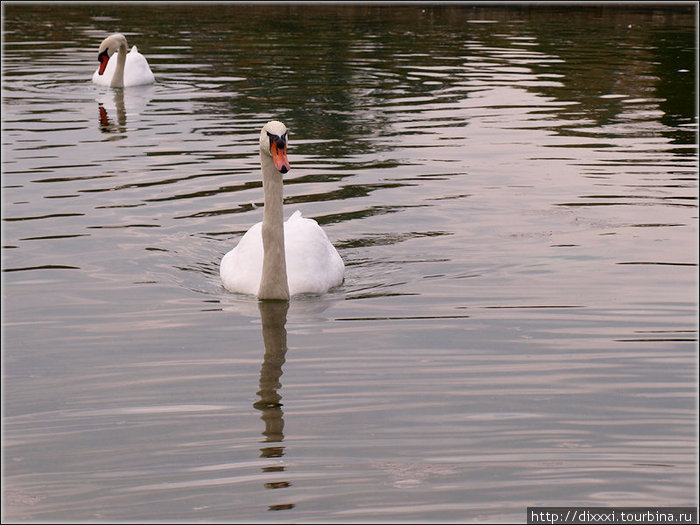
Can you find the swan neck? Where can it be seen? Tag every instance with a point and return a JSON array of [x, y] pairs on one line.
[[118, 78], [273, 283]]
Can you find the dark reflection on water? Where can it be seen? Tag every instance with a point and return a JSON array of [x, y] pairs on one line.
[[274, 318], [107, 124], [513, 190]]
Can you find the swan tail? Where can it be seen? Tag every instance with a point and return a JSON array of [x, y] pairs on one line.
[[295, 216]]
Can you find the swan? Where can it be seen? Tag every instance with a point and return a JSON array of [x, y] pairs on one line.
[[124, 69], [277, 259]]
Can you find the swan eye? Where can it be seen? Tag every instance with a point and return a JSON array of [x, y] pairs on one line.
[[281, 142]]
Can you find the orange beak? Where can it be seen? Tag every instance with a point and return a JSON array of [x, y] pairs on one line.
[[279, 157], [103, 58]]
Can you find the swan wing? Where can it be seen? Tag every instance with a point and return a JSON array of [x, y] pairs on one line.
[[241, 268], [137, 72], [313, 263]]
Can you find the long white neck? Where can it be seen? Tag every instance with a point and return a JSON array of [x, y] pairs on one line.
[[273, 284], [118, 78]]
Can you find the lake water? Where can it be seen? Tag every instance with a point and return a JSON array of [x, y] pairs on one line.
[[513, 191]]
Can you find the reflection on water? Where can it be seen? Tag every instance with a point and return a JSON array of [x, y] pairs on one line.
[[513, 190], [106, 124], [114, 105], [274, 318]]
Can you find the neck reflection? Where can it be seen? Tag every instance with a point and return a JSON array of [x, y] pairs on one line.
[[274, 318], [106, 124]]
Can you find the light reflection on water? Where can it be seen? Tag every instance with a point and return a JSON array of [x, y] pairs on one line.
[[516, 205]]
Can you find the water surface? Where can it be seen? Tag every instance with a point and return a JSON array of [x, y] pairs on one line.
[[513, 191]]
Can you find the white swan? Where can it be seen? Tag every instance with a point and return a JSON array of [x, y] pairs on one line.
[[118, 68], [276, 259]]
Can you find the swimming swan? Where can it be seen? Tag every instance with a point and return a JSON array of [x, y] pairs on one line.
[[276, 259], [124, 69]]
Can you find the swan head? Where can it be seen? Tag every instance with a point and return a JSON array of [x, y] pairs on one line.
[[273, 142], [108, 47]]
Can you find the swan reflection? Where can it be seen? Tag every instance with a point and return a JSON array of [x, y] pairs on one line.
[[115, 105], [274, 319], [106, 124]]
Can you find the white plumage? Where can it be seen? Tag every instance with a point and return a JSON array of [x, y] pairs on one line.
[[313, 263]]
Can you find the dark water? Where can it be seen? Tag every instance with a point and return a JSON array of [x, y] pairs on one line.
[[513, 191]]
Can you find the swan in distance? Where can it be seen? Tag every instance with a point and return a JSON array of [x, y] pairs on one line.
[[277, 259], [118, 68]]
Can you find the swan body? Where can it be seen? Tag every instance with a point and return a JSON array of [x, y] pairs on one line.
[[119, 68], [277, 259], [313, 264]]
